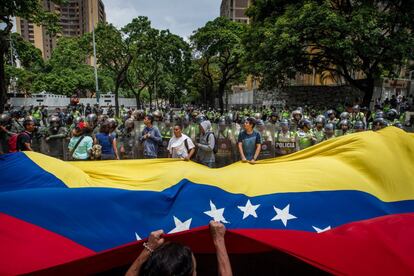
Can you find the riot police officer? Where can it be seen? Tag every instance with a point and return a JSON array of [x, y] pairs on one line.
[[285, 142], [127, 140], [318, 131], [329, 130], [267, 141], [344, 128], [304, 136], [359, 126], [54, 136]]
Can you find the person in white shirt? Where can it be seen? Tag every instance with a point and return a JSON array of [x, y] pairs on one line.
[[180, 145]]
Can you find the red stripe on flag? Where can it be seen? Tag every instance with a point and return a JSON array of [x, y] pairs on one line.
[[25, 247], [380, 246]]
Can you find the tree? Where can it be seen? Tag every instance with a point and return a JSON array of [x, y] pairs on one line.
[[31, 10], [218, 46], [66, 72], [31, 64], [160, 60], [143, 39], [346, 38], [114, 54]]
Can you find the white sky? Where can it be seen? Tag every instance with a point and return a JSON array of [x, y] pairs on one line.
[[181, 17]]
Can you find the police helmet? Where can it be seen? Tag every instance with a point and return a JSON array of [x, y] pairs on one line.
[[4, 119], [330, 112], [259, 122], [91, 118], [320, 120], [380, 122], [345, 122], [344, 115], [284, 122], [392, 114], [201, 118], [54, 119], [112, 122], [157, 113], [305, 122], [329, 127], [359, 125], [379, 114], [222, 121]]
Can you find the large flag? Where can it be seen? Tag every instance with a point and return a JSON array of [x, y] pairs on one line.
[[345, 206]]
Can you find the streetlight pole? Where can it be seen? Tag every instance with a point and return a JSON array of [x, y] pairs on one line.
[[94, 59]]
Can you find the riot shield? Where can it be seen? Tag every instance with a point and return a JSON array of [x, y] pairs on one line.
[[267, 148], [225, 145], [127, 144], [52, 147], [139, 127], [166, 130], [285, 143]]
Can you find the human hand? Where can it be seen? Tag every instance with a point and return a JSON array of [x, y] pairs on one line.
[[253, 161], [186, 158], [47, 139], [217, 230], [244, 160], [155, 239]]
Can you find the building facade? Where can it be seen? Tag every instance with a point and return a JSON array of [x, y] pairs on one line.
[[235, 10], [76, 17]]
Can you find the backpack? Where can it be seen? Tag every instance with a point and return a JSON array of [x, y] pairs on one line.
[[96, 152], [215, 149], [12, 141]]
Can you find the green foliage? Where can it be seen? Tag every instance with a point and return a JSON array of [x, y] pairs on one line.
[[219, 51], [160, 60], [342, 37], [70, 53], [31, 10], [29, 56]]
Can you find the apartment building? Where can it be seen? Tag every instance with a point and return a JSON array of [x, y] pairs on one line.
[[76, 17], [235, 10]]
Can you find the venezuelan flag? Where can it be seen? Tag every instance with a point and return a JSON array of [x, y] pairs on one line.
[[345, 206]]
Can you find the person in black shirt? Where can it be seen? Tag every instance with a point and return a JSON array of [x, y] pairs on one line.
[[24, 139]]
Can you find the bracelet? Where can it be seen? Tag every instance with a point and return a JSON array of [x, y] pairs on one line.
[[146, 246]]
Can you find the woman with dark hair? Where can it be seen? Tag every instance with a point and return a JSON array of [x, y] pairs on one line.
[[107, 142], [161, 258], [80, 145]]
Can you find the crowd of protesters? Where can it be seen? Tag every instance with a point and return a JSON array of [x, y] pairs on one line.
[[85, 132]]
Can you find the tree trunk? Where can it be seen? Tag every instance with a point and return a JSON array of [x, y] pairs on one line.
[[116, 99], [150, 98], [369, 92], [138, 100], [3, 87], [221, 89]]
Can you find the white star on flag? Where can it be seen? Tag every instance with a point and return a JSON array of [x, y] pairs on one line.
[[216, 214], [249, 209], [180, 226], [283, 215], [137, 237], [319, 230]]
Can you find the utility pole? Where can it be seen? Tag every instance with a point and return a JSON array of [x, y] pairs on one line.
[[94, 58]]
